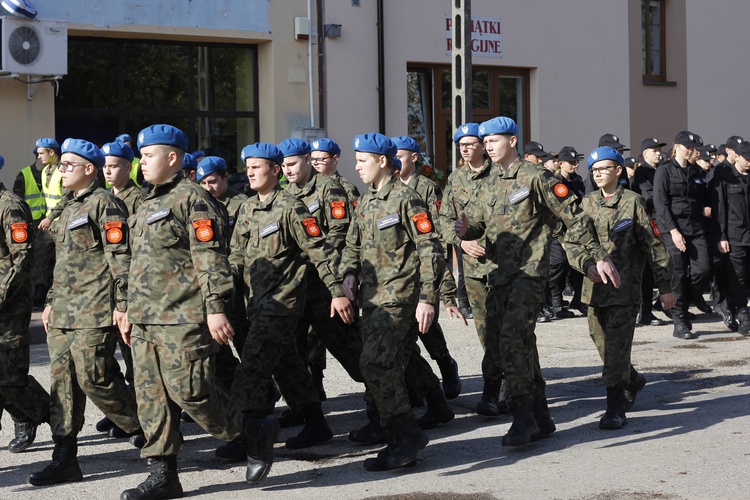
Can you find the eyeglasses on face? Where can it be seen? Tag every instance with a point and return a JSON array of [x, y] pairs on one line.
[[68, 166], [601, 170], [468, 145], [319, 160]]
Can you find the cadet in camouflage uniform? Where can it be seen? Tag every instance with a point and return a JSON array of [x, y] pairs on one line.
[[438, 411], [89, 295], [118, 160], [329, 206], [514, 209], [460, 196], [213, 175], [393, 244], [628, 236], [275, 233], [31, 403], [180, 285]]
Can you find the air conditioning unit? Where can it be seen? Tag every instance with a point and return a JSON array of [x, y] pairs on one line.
[[33, 47]]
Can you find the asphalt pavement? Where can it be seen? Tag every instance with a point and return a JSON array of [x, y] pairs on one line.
[[685, 437]]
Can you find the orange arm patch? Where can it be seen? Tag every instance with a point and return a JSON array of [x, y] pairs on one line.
[[657, 233], [338, 209], [561, 190], [114, 232], [204, 230], [422, 222], [19, 232], [311, 226]]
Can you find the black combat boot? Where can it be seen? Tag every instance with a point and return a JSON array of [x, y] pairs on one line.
[[438, 411], [451, 380], [524, 428], [25, 434], [314, 432], [317, 378], [614, 417], [290, 419], [681, 326], [727, 315], [234, 451], [635, 385], [408, 439], [743, 319], [542, 416], [104, 425], [378, 463], [646, 317], [162, 481], [259, 436], [489, 404], [64, 467], [373, 432]]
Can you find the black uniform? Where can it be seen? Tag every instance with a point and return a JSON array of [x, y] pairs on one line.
[[679, 201], [643, 184], [732, 224]]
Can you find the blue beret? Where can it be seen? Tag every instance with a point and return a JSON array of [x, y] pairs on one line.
[[467, 129], [47, 142], [500, 125], [198, 154], [189, 162], [396, 163], [118, 148], [36, 151], [209, 165], [2, 161], [165, 135], [123, 138], [407, 143], [293, 147], [84, 149], [264, 150], [376, 143], [604, 153], [326, 145]]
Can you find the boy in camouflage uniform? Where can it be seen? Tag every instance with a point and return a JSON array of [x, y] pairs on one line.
[[31, 403], [180, 285], [515, 208], [438, 411], [394, 246], [89, 295], [274, 234], [630, 238], [460, 196]]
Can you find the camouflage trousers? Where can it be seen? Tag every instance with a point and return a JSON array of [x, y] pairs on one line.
[[316, 352], [270, 353], [510, 340], [388, 343], [29, 400], [477, 290], [343, 341], [612, 329], [174, 368], [82, 363]]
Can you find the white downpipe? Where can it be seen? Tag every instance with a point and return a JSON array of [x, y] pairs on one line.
[[310, 63]]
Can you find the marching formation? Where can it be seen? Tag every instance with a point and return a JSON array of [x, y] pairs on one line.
[[221, 302]]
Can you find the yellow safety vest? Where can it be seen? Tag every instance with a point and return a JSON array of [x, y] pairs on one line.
[[32, 195], [52, 188]]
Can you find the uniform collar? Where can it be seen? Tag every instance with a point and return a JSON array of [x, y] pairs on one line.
[[611, 202], [160, 189], [512, 170], [94, 185], [263, 205], [382, 194], [309, 186]]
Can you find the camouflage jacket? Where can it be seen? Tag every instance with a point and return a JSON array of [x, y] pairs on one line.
[[393, 243], [93, 257], [460, 197], [268, 250], [132, 196], [182, 272], [631, 238], [350, 189], [16, 254], [432, 195], [513, 211], [328, 203], [232, 200]]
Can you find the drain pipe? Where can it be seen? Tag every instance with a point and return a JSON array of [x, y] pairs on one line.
[[310, 64], [381, 70]]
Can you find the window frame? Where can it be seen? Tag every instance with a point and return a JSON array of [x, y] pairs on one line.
[[647, 43]]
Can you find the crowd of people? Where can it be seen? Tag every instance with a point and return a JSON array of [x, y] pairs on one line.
[[221, 302]]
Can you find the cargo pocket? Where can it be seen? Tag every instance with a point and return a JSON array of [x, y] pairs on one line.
[[200, 371], [101, 347]]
